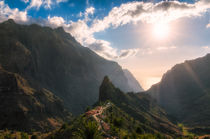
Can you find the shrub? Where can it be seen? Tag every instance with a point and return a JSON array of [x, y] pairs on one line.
[[24, 135], [89, 130], [64, 126], [139, 130], [34, 137], [118, 122]]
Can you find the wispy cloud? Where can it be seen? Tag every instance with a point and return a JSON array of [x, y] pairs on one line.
[[59, 1], [164, 11], [35, 4], [104, 49], [47, 4], [133, 12], [129, 13], [25, 1]]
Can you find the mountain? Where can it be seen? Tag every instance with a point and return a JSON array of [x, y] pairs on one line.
[[140, 106], [52, 59], [120, 115], [25, 108], [133, 83], [184, 92]]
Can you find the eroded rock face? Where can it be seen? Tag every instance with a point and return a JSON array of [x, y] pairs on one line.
[[25, 108]]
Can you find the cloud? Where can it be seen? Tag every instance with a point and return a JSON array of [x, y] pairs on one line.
[[164, 11], [7, 13], [104, 49], [129, 13], [128, 52], [208, 25], [89, 10], [132, 12], [35, 4], [56, 21], [25, 1], [80, 31], [47, 4], [59, 1]]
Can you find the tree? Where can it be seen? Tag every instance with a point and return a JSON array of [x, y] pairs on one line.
[[34, 137], [89, 130], [139, 130], [24, 135]]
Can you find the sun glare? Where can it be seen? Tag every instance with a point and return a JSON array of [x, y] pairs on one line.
[[161, 31]]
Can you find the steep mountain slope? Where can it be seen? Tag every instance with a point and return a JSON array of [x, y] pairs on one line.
[[53, 59], [25, 108], [184, 92], [120, 115], [140, 106], [133, 83]]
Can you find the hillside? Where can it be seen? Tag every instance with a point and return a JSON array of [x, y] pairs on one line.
[[120, 115], [52, 59], [28, 109], [184, 92], [140, 106]]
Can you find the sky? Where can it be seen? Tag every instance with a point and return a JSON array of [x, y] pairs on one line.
[[145, 37]]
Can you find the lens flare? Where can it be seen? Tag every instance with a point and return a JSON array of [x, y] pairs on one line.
[[161, 31]]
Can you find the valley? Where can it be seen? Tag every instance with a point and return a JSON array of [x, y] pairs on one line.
[[51, 87]]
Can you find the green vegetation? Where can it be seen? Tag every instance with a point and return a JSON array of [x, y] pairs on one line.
[[121, 125], [185, 131], [7, 134], [140, 107], [89, 130], [34, 137], [33, 89], [126, 116], [24, 135]]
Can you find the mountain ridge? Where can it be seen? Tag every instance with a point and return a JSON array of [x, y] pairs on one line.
[[53, 59], [184, 91], [140, 106]]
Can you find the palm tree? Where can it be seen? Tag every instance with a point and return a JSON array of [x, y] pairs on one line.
[[89, 130]]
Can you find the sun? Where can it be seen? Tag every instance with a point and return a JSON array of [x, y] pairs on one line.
[[161, 31]]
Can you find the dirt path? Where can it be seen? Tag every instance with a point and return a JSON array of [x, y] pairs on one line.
[[99, 112]]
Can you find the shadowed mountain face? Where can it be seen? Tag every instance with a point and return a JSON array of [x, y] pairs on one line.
[[132, 81], [25, 108], [140, 106], [184, 92], [54, 60]]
